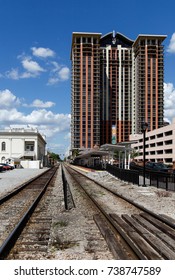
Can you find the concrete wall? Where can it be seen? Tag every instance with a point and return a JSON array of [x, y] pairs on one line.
[[160, 144], [31, 164]]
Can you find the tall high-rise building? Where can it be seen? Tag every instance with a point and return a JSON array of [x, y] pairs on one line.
[[116, 88], [85, 111], [148, 89], [117, 83]]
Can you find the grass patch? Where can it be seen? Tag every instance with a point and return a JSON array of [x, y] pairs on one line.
[[62, 245], [60, 224]]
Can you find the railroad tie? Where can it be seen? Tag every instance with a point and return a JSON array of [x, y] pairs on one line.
[[153, 229], [137, 243], [152, 239], [160, 225], [112, 242]]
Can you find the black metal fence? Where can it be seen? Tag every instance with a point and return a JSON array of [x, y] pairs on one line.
[[162, 180], [127, 175]]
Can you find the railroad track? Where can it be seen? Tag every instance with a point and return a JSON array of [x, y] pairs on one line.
[[131, 231], [20, 237]]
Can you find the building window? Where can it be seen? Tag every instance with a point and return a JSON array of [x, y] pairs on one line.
[[167, 133], [29, 147], [3, 146], [168, 142], [168, 151], [3, 159], [159, 135]]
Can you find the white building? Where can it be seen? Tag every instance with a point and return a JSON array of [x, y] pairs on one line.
[[160, 144], [22, 143]]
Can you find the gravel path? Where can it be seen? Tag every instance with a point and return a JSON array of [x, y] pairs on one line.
[[157, 200]]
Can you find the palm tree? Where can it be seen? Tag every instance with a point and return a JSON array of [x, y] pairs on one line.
[[134, 154], [75, 153]]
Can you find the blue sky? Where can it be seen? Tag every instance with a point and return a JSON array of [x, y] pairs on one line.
[[35, 66]]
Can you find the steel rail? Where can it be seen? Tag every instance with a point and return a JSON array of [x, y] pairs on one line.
[[162, 218], [20, 187], [108, 218], [137, 249], [11, 239]]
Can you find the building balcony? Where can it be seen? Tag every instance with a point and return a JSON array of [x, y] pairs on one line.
[[29, 154]]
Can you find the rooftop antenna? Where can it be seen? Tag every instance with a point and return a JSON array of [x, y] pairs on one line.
[[113, 37]]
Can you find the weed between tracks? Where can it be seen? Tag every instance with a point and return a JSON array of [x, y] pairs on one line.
[[61, 245], [163, 194], [58, 243], [60, 224]]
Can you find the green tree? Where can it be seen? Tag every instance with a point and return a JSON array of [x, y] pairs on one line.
[[116, 154], [54, 156], [134, 154], [75, 153]]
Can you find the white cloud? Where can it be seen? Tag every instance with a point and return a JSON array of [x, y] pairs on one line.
[[40, 104], [43, 52], [60, 74], [64, 74], [42, 116], [169, 101], [56, 66], [10, 116], [52, 81], [67, 136], [32, 66], [50, 130], [8, 99], [27, 75], [13, 74], [67, 151], [32, 69], [47, 122], [171, 47]]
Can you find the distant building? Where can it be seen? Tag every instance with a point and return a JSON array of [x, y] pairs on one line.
[[160, 144], [117, 83], [22, 143]]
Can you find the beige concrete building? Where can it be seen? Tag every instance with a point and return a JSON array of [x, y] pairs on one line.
[[160, 144], [22, 143]]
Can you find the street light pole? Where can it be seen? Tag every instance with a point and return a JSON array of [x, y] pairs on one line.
[[144, 128]]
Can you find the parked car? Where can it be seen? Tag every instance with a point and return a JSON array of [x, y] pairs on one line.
[[152, 166], [157, 166], [6, 166], [1, 168]]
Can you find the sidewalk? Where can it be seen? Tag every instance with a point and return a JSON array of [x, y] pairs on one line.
[[13, 178]]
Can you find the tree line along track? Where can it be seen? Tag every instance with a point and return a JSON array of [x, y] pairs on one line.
[[16, 208], [144, 234]]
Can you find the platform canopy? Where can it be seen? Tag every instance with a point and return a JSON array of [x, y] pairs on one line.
[[122, 146], [92, 153], [105, 154]]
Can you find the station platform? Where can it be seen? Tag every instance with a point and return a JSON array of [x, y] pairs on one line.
[[85, 169]]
